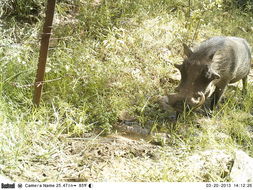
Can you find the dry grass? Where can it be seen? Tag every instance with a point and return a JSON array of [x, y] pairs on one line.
[[109, 74]]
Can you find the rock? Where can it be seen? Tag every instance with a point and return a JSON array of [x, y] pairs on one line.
[[242, 170], [209, 165], [163, 101], [4, 179], [133, 129], [125, 116]]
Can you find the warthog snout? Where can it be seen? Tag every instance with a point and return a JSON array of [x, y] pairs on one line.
[[181, 102]]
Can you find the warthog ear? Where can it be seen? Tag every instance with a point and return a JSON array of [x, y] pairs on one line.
[[179, 67], [187, 51], [211, 56]]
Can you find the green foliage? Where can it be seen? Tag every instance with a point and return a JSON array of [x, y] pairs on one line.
[[97, 18], [21, 10], [107, 58], [244, 5]]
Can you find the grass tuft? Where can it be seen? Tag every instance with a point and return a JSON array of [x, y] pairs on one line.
[[113, 58]]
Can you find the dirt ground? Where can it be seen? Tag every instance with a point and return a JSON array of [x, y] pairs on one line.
[[94, 158], [120, 157]]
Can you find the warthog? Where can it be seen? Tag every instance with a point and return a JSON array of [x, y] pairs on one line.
[[208, 69]]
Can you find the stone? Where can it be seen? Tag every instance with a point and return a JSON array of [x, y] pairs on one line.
[[4, 179], [242, 170]]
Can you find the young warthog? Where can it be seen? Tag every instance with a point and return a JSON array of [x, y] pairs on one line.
[[208, 69]]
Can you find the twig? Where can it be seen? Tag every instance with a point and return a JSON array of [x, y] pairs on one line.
[[32, 84]]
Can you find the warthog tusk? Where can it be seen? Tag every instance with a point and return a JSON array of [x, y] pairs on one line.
[[203, 98], [200, 100]]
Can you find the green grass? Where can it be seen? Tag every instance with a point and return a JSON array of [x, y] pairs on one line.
[[107, 59]]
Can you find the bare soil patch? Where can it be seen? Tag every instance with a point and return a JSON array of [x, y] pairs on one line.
[[89, 159]]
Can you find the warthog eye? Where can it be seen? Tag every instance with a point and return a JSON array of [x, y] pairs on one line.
[[212, 75]]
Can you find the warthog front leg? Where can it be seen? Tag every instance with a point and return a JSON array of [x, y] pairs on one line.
[[244, 85], [216, 97]]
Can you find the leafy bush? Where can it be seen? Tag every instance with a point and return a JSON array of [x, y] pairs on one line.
[[244, 5], [106, 59], [21, 10]]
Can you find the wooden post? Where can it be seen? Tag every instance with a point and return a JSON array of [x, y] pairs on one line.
[[43, 51]]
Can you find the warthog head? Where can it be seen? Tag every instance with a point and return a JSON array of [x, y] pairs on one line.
[[196, 83]]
